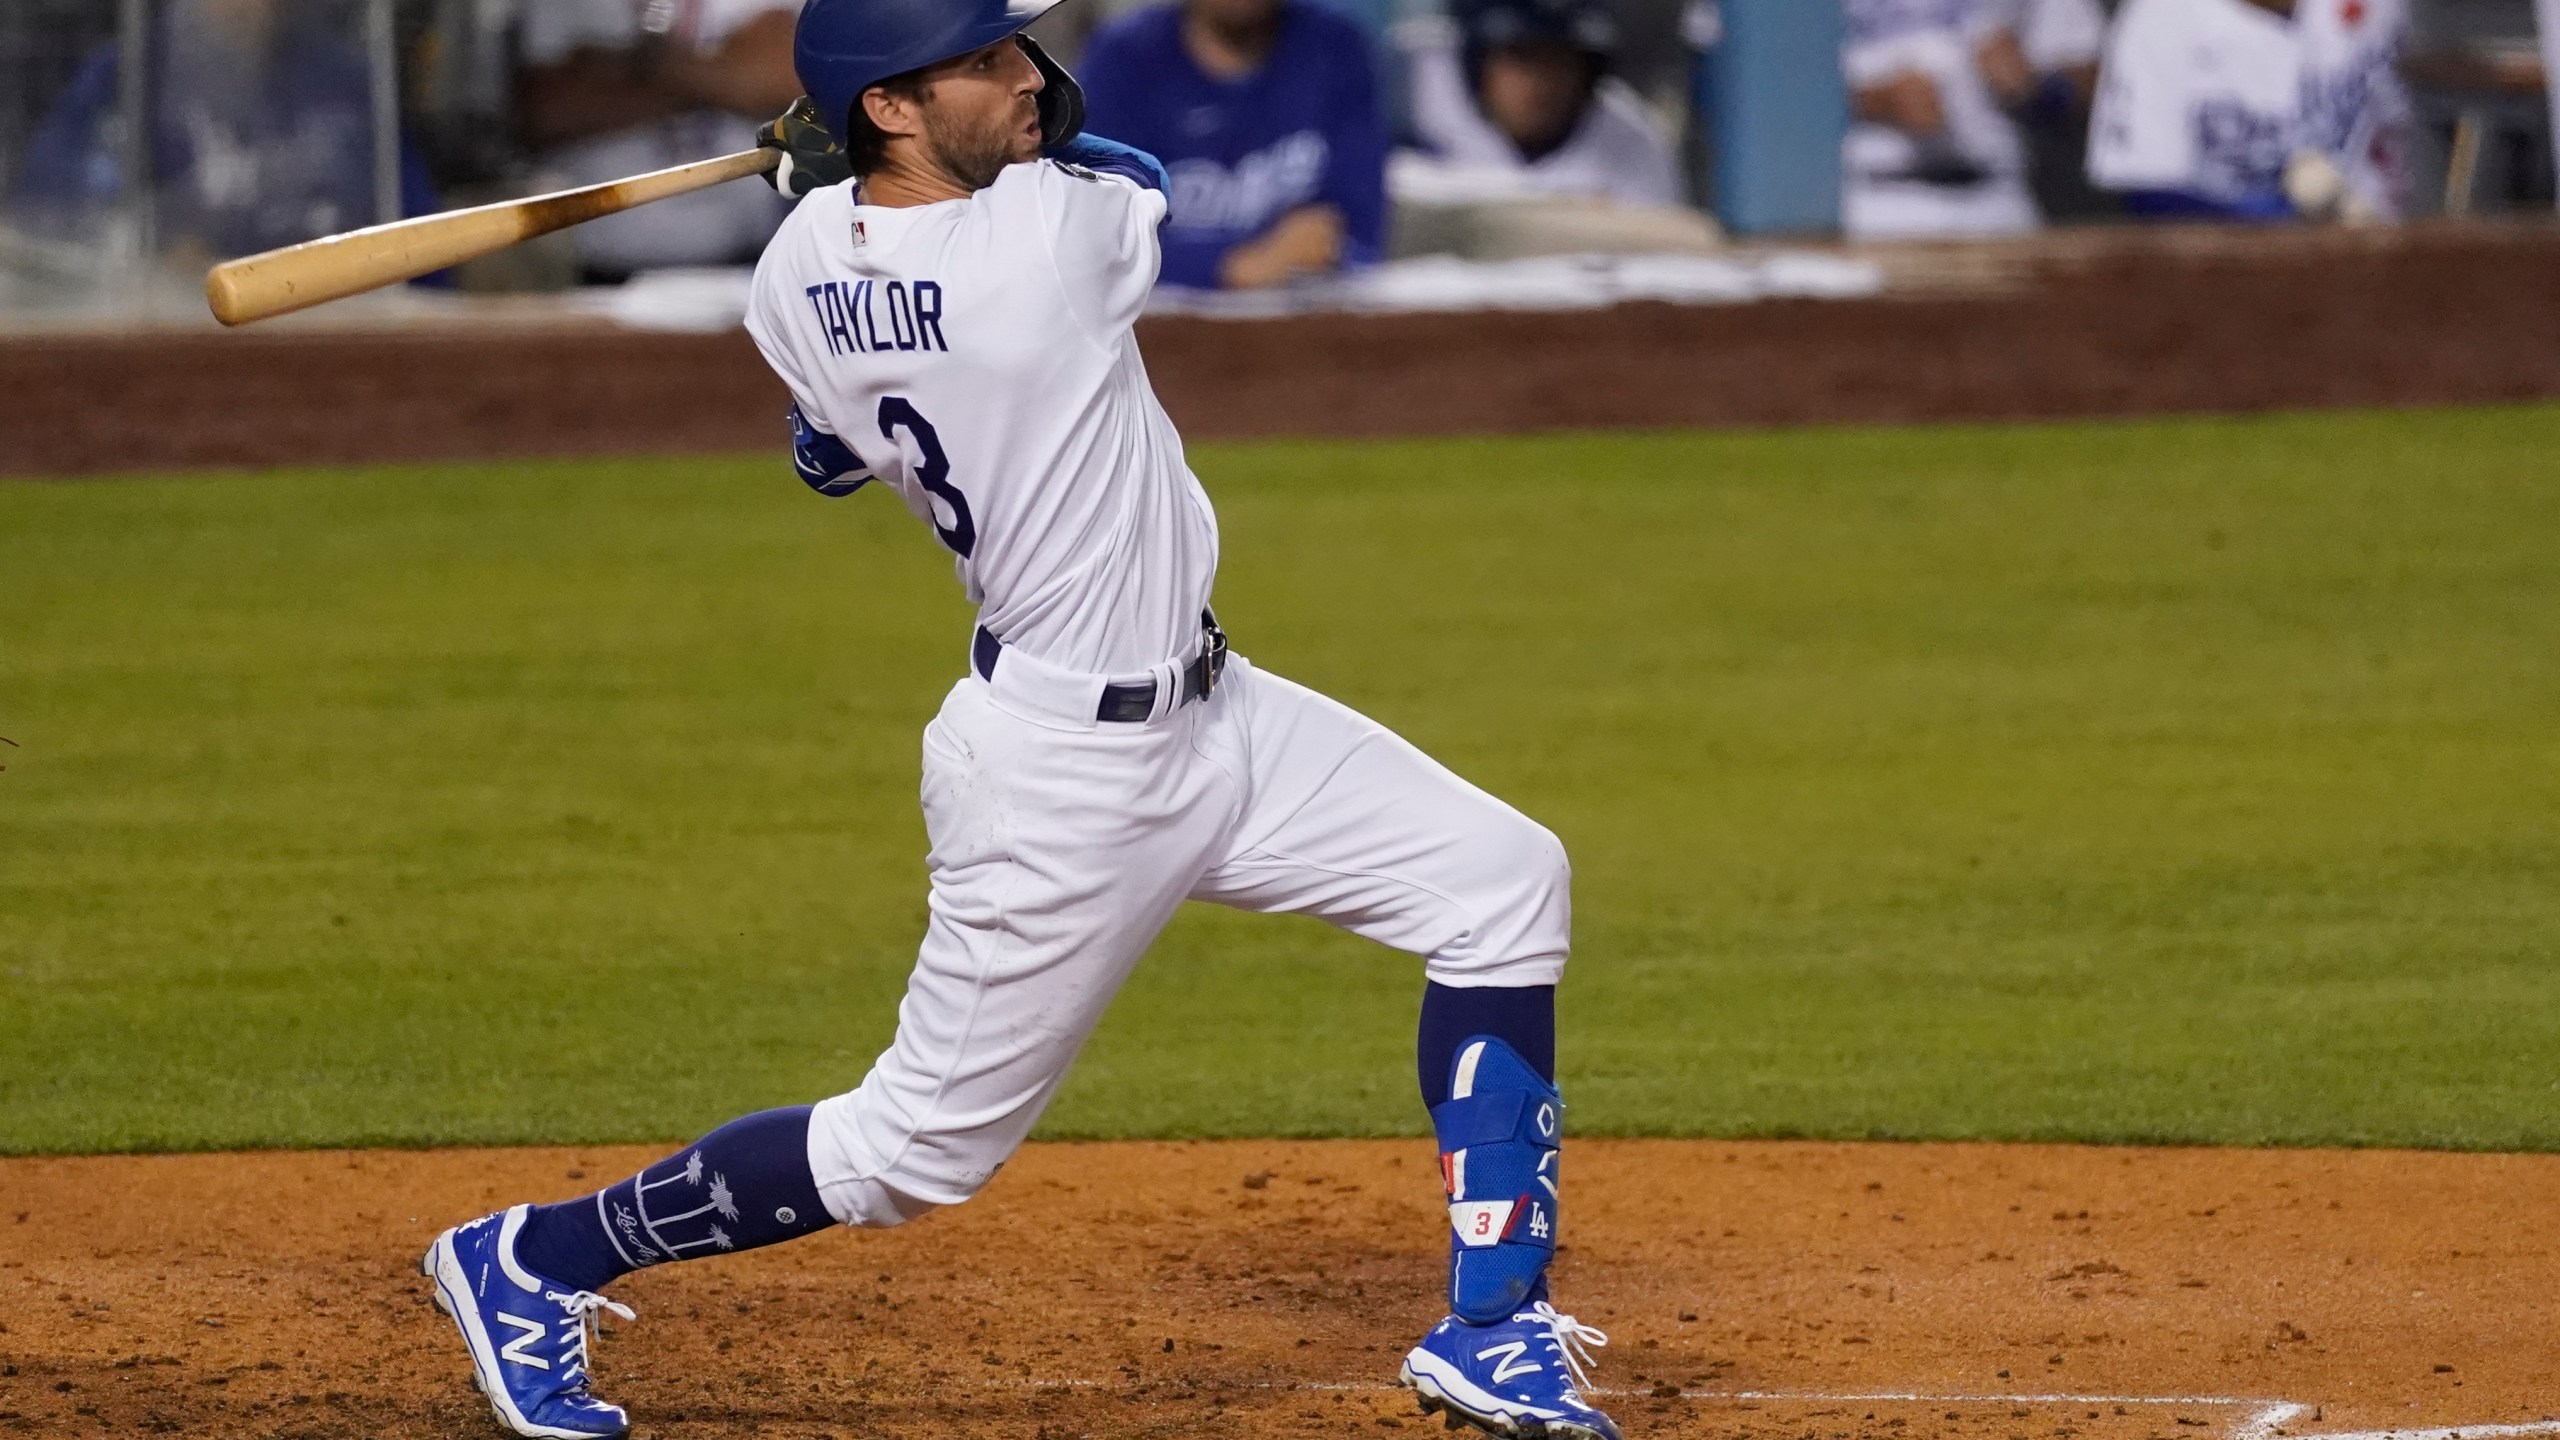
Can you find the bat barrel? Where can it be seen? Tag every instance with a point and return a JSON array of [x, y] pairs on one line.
[[298, 277]]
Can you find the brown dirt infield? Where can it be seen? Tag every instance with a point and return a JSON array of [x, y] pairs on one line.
[[2078, 323], [1786, 1291]]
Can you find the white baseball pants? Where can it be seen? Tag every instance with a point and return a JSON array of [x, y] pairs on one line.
[[1062, 846]]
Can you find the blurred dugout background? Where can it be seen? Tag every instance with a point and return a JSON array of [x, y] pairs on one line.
[[253, 123]]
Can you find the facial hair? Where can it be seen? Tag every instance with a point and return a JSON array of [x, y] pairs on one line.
[[973, 159]]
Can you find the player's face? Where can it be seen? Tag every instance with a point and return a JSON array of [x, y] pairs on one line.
[[982, 113], [1534, 92]]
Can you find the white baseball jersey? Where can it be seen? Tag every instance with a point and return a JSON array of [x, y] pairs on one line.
[[2213, 97], [2355, 108], [977, 355], [2054, 34]]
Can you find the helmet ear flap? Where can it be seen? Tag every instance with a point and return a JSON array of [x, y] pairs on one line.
[[1061, 98]]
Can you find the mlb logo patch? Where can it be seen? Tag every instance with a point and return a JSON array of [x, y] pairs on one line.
[[861, 236]]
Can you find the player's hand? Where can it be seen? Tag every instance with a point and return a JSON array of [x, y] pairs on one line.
[[811, 158], [1061, 98], [2002, 59], [1307, 240], [1909, 102]]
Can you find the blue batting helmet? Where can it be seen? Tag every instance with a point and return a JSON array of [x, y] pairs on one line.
[[845, 47], [1583, 25]]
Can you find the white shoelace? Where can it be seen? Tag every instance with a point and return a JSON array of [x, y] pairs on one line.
[[582, 1307], [1571, 1337]]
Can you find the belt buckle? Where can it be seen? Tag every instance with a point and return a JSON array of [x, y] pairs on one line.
[[1213, 660]]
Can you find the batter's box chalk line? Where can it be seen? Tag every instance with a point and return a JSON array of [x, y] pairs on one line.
[[2265, 1419]]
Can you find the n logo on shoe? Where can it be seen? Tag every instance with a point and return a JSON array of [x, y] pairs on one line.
[[1513, 1362], [528, 1332]]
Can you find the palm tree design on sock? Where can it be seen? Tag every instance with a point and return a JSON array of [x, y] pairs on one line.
[[718, 1200]]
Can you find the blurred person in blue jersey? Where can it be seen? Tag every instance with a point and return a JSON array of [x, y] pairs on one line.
[[1266, 115], [1518, 92], [261, 133]]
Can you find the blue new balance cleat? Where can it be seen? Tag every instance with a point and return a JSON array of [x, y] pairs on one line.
[[527, 1335], [1520, 1378]]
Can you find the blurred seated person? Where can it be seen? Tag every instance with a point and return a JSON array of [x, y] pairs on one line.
[[261, 134], [614, 87], [2254, 110], [2040, 57], [2041, 61], [1519, 91], [1937, 89], [1266, 115]]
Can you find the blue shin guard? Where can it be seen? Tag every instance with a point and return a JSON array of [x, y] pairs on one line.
[[1498, 1134]]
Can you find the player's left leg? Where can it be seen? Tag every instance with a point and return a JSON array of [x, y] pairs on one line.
[[1058, 853], [522, 1284], [1344, 820]]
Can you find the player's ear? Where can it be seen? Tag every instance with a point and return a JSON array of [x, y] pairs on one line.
[[894, 112]]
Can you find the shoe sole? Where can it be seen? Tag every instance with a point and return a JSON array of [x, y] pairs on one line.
[[1461, 1405], [453, 1297]]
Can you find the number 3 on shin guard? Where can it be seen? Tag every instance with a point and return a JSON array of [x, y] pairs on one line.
[[1498, 1134]]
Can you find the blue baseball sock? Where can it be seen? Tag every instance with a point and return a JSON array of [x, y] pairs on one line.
[[741, 1187], [1522, 1017]]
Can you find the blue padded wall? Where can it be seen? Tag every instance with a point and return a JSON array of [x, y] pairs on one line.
[[1774, 108]]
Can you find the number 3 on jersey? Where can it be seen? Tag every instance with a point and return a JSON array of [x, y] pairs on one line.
[[933, 471]]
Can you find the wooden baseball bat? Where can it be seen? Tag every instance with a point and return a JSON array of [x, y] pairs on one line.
[[334, 267]]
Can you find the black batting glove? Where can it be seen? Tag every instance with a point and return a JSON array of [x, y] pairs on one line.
[[1061, 98], [811, 157]]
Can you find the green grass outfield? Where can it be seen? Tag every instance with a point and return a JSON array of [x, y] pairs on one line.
[[2192, 781]]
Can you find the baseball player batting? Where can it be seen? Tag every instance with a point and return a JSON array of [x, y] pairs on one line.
[[951, 307]]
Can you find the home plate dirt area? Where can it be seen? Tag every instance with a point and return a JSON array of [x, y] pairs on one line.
[[1790, 1291]]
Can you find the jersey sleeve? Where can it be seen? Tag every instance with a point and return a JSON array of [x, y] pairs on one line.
[[1099, 226], [768, 325], [2060, 33], [2141, 135], [822, 460]]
